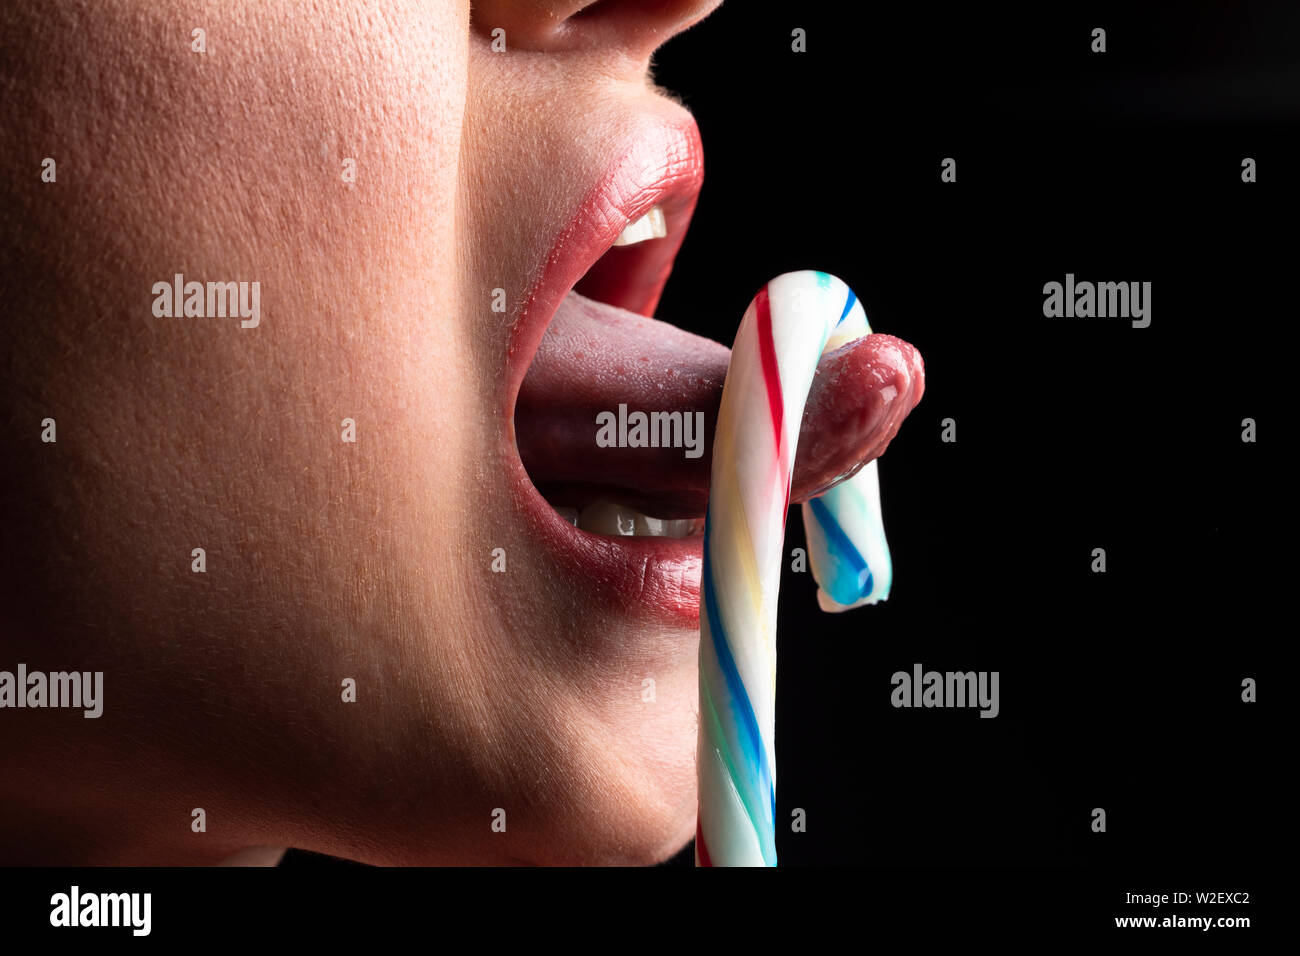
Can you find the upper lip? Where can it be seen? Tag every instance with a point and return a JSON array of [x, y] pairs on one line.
[[663, 165]]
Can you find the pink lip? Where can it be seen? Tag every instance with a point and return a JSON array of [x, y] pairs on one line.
[[663, 165]]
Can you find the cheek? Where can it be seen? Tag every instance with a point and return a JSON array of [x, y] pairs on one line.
[[312, 160], [316, 157]]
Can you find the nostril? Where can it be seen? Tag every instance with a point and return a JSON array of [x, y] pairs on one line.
[[598, 9], [534, 27], [672, 14], [629, 28]]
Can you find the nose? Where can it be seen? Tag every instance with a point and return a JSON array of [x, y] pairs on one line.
[[631, 29]]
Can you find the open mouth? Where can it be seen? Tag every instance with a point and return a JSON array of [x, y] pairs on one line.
[[616, 408], [612, 412], [594, 348]]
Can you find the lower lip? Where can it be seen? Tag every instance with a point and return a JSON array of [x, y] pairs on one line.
[[654, 578]]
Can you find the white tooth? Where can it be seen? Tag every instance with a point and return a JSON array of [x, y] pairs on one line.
[[650, 226], [568, 514], [679, 527], [606, 518], [647, 527]]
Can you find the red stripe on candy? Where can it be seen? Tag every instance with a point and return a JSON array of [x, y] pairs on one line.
[[701, 851], [772, 377]]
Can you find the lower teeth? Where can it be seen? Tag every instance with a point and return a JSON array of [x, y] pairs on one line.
[[607, 518]]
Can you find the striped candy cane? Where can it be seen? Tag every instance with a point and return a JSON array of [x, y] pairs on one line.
[[792, 321]]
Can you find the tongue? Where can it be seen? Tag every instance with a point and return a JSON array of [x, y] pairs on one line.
[[595, 357]]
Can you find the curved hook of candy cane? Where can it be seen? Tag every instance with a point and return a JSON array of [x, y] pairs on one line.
[[789, 325]]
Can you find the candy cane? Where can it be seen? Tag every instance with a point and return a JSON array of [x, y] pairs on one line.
[[789, 325]]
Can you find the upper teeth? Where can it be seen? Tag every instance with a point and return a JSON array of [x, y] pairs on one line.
[[606, 518], [649, 226]]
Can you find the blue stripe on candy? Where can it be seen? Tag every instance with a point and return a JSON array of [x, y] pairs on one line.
[[848, 304], [838, 542], [741, 710]]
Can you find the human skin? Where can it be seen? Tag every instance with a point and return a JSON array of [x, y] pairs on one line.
[[326, 560]]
